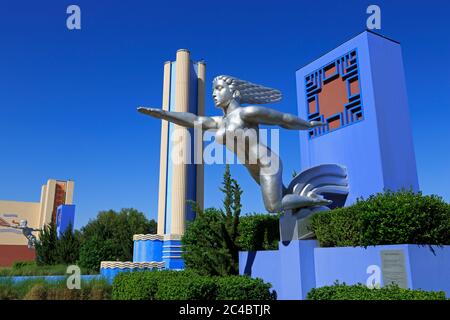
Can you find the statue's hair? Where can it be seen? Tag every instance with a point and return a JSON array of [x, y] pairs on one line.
[[251, 93]]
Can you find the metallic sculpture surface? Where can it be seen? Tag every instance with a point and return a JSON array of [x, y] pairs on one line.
[[26, 231], [307, 190]]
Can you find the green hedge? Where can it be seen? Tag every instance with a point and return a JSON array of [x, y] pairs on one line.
[[187, 285], [243, 288], [361, 292], [386, 218], [259, 232], [39, 289]]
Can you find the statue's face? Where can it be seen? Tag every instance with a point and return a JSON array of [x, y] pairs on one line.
[[222, 94]]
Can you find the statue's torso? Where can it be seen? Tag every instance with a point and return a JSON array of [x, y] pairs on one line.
[[232, 125]]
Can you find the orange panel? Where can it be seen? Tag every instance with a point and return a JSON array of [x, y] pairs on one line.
[[312, 107], [330, 71], [354, 87], [335, 124], [60, 197], [333, 97]]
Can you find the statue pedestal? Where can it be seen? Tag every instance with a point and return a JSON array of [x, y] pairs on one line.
[[296, 225], [300, 265]]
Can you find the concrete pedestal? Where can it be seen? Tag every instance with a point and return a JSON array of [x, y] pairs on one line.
[[300, 265]]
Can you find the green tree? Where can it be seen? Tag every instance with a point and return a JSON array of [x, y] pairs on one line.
[[47, 246], [110, 236], [210, 242], [68, 246]]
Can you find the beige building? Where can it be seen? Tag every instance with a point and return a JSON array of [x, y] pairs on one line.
[[183, 91], [38, 214]]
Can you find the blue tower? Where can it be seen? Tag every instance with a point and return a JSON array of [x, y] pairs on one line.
[[358, 90]]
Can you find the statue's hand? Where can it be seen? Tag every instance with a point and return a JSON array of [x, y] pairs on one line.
[[316, 124], [157, 113]]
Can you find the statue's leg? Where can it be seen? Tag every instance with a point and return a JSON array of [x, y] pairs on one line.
[[272, 191]]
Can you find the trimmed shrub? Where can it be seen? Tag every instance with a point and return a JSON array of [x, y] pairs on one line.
[[259, 232], [39, 289], [187, 285], [386, 218], [135, 285], [243, 288], [361, 292]]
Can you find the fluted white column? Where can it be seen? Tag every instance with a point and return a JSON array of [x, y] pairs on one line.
[[199, 143], [163, 152], [179, 172]]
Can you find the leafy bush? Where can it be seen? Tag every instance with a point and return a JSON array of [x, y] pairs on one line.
[[210, 242], [46, 247], [386, 218], [243, 288], [259, 232], [39, 289], [187, 285], [51, 250], [136, 285], [110, 237], [361, 292], [205, 249], [95, 249], [68, 246]]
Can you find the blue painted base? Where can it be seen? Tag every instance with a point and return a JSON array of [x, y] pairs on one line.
[[294, 269], [157, 250], [172, 250], [110, 273], [147, 250], [150, 252]]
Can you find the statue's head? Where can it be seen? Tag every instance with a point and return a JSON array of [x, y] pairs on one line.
[[227, 89], [23, 223], [224, 91]]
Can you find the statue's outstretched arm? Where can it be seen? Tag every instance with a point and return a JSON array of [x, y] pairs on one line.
[[184, 119], [263, 115]]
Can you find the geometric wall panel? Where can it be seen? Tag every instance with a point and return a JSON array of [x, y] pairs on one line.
[[333, 95]]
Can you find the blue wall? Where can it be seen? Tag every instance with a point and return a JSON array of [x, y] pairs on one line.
[[378, 150], [65, 216], [296, 268]]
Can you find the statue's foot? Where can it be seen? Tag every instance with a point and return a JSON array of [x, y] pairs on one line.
[[295, 201]]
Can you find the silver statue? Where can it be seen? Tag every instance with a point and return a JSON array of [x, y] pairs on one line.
[[306, 190], [26, 231]]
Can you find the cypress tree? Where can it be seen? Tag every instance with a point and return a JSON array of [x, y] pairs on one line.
[[47, 246]]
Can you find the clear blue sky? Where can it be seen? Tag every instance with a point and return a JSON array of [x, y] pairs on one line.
[[68, 98]]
